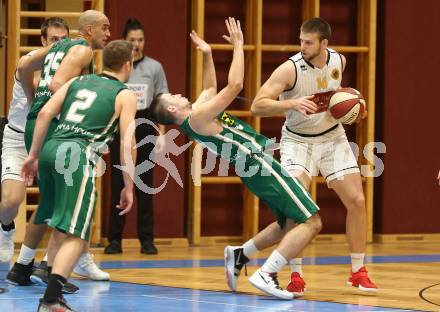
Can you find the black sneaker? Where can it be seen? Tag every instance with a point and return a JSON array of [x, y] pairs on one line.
[[59, 305], [69, 288], [113, 248], [149, 249], [20, 274], [40, 276], [234, 262]]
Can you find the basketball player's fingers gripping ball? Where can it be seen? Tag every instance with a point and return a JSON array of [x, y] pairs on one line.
[[322, 100]]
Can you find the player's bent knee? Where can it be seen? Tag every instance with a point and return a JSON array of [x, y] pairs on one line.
[[13, 194], [11, 201], [316, 223], [357, 202]]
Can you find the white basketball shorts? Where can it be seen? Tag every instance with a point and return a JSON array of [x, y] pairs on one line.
[[329, 155], [13, 154]]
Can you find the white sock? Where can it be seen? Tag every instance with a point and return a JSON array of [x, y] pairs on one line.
[[45, 258], [249, 248], [26, 255], [357, 261], [274, 263], [296, 265]]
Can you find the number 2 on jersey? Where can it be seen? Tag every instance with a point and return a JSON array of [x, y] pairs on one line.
[[85, 99]]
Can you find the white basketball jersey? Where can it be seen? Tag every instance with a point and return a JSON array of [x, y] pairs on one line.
[[311, 80], [19, 108]]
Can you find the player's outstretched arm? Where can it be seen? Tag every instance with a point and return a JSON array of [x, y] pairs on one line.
[[78, 58], [50, 110], [209, 83], [212, 108], [266, 102], [26, 67], [126, 106]]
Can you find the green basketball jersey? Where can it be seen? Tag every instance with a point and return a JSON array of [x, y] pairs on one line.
[[236, 139], [51, 63], [88, 114]]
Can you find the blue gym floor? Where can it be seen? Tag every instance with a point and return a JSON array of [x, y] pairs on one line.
[[117, 296]]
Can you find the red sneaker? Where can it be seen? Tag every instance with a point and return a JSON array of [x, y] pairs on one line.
[[361, 280], [297, 286]]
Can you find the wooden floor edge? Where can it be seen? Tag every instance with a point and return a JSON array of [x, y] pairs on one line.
[[320, 239], [333, 238], [329, 238], [160, 242], [221, 240], [407, 238], [238, 240]]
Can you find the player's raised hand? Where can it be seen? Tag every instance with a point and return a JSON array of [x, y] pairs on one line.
[[438, 178], [29, 170], [235, 34], [125, 201], [200, 43]]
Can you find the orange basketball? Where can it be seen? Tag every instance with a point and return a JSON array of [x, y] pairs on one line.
[[347, 105]]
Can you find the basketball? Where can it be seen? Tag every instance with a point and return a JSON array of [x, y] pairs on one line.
[[347, 105]]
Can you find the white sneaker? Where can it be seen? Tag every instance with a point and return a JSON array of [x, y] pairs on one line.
[[234, 262], [87, 268], [268, 283], [6, 245]]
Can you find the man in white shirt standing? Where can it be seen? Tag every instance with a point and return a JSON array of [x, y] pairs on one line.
[[314, 141]]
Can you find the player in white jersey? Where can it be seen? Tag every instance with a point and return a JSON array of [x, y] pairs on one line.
[[13, 149], [313, 141]]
